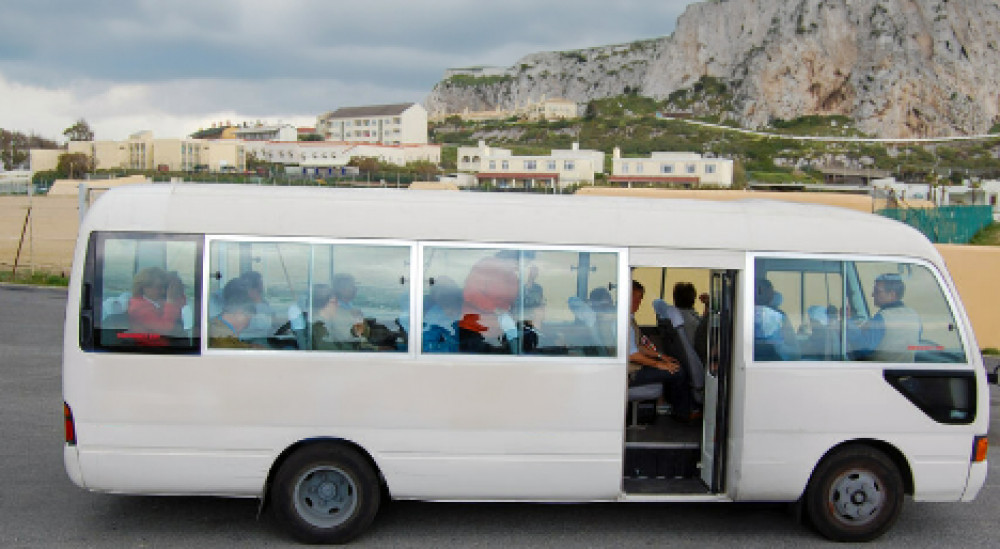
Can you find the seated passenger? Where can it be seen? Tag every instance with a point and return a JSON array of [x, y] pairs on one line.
[[894, 333], [646, 365], [491, 288], [261, 325], [532, 302], [225, 329], [335, 327], [774, 338], [157, 299], [823, 341], [440, 333], [685, 296]]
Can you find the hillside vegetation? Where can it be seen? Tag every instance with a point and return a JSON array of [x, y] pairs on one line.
[[640, 125]]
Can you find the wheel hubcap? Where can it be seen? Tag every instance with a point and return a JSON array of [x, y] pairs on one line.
[[856, 497], [325, 496]]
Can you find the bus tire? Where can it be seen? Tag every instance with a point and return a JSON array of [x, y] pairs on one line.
[[855, 494], [325, 493]]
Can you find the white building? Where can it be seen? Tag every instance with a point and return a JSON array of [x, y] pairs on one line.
[[141, 151], [261, 132], [671, 168], [400, 124], [328, 157], [501, 168]]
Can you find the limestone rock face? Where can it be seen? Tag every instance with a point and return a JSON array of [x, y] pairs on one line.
[[899, 68]]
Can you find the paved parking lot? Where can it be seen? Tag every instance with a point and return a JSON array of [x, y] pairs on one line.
[[40, 507]]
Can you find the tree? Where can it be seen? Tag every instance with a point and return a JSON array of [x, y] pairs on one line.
[[364, 164], [74, 165], [423, 169], [79, 132], [311, 137]]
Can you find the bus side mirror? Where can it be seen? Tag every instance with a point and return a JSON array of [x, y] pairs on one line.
[[992, 377]]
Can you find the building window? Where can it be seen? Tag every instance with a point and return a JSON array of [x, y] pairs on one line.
[[551, 165], [493, 164], [504, 165], [569, 165], [691, 168], [530, 165], [709, 168], [624, 167], [667, 168], [638, 167]]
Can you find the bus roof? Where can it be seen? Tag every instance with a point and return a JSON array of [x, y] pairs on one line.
[[754, 225]]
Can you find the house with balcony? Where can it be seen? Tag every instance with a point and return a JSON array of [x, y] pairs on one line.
[[499, 167], [399, 124]]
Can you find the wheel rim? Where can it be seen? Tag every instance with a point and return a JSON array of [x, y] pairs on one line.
[[325, 496], [856, 497]]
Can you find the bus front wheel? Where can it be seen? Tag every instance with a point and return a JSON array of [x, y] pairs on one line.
[[325, 494], [855, 494]]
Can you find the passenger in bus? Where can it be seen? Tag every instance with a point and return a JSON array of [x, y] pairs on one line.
[[156, 303], [685, 295], [335, 327], [262, 322], [345, 290], [823, 339], [532, 302], [606, 318], [893, 334], [773, 335], [491, 288], [225, 329], [443, 310], [646, 365]]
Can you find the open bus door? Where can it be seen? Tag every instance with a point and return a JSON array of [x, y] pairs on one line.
[[717, 370]]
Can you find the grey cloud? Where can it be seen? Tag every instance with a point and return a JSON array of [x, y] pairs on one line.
[[160, 40]]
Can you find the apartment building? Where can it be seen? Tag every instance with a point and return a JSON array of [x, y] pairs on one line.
[[399, 124], [671, 168], [501, 168], [141, 151]]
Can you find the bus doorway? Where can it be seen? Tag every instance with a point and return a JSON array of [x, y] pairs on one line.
[[686, 314]]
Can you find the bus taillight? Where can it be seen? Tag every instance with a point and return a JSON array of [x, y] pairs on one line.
[[979, 447], [69, 426]]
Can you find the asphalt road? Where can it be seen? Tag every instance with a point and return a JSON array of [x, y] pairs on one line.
[[40, 507]]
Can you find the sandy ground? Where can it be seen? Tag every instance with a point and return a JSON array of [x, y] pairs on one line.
[[51, 236]]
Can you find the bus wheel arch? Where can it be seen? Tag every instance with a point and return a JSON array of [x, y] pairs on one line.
[[324, 490], [855, 492]]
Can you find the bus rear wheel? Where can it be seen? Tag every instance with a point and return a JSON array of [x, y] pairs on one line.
[[855, 495], [325, 493]]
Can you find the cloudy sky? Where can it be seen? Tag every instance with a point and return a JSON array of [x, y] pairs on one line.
[[174, 66]]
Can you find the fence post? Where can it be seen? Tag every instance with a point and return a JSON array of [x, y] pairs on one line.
[[20, 243]]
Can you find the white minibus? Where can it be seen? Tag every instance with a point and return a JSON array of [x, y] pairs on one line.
[[326, 350]]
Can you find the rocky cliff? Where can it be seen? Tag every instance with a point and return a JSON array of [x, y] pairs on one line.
[[899, 68]]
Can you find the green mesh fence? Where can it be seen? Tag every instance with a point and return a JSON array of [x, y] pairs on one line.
[[944, 225]]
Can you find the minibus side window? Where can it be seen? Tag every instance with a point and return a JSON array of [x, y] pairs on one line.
[[808, 309], [308, 296], [144, 293], [908, 319], [520, 301]]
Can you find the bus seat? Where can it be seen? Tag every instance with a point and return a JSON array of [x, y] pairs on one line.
[[642, 393]]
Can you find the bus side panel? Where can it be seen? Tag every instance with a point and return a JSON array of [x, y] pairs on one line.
[[445, 427], [795, 413]]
